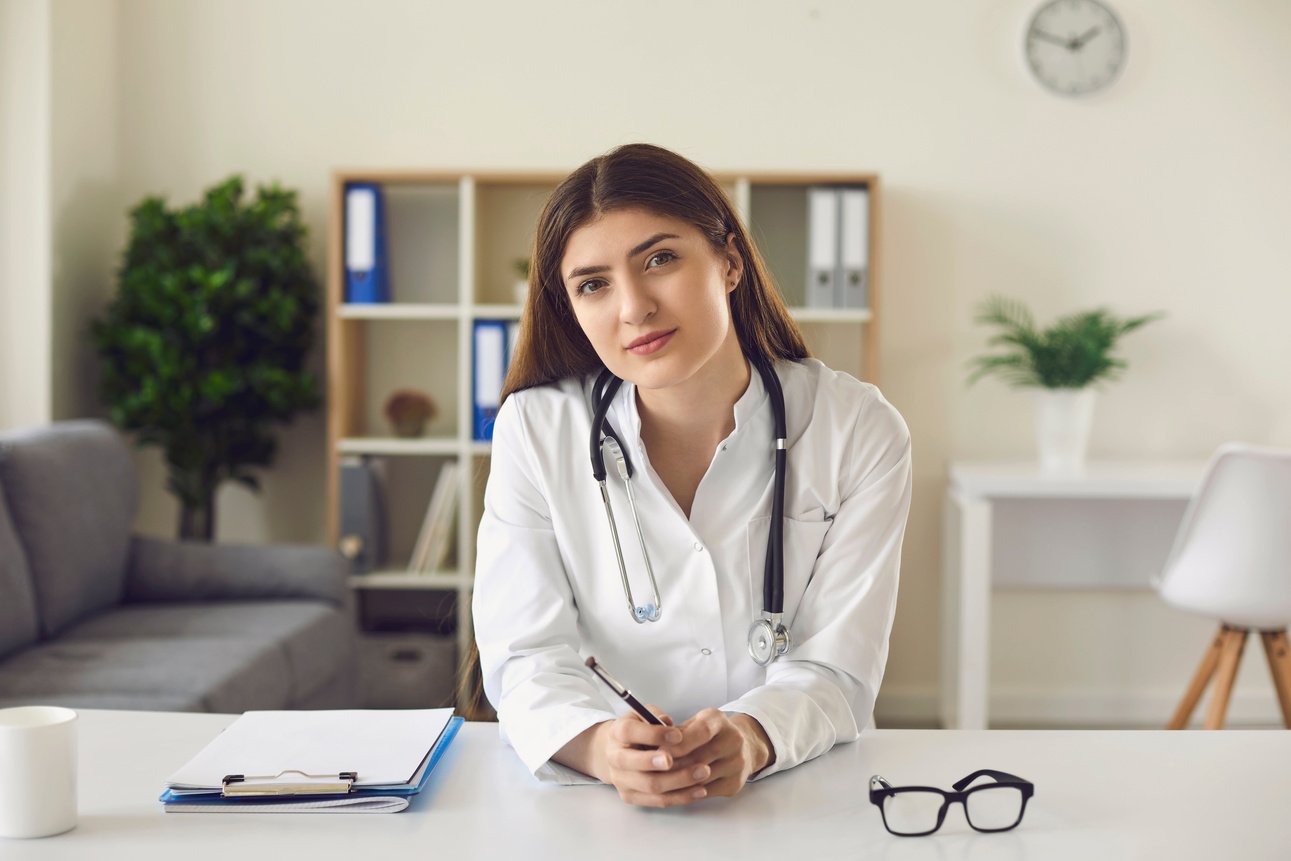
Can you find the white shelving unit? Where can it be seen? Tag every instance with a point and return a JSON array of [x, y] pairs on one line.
[[451, 238]]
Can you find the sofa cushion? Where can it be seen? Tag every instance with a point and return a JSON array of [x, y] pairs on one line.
[[312, 638], [128, 702], [222, 673], [72, 495], [17, 600]]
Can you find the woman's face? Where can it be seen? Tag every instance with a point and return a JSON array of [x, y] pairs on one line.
[[650, 293]]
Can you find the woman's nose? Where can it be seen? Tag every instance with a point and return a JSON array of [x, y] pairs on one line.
[[636, 304]]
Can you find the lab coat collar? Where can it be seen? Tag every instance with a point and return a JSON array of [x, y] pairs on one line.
[[749, 405]]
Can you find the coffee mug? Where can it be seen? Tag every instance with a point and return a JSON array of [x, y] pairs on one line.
[[37, 771]]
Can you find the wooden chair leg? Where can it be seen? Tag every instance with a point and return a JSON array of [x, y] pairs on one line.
[[1228, 663], [1205, 670], [1278, 652]]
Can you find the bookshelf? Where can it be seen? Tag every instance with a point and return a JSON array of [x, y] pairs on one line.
[[452, 237]]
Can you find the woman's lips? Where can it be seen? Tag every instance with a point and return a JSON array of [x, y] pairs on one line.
[[652, 345]]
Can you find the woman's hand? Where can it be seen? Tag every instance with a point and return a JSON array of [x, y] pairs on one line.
[[728, 748], [633, 756], [667, 766]]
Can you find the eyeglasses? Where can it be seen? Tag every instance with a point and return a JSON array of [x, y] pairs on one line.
[[912, 811]]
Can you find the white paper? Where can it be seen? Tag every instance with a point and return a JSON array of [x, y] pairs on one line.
[[365, 804], [386, 747]]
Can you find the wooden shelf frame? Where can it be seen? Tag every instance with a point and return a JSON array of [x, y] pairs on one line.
[[352, 329]]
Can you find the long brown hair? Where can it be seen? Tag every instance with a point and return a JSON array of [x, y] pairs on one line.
[[552, 346]]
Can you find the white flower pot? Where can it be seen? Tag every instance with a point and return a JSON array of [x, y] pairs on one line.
[[1062, 421]]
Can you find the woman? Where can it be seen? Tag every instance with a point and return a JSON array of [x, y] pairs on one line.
[[642, 269]]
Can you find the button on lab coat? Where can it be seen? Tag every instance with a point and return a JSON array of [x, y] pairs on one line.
[[548, 592]]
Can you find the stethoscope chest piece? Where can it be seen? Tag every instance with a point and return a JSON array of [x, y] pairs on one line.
[[768, 639]]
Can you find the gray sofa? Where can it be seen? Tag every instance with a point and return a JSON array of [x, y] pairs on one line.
[[95, 617]]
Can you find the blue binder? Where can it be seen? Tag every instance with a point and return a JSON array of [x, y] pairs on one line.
[[489, 371], [367, 278]]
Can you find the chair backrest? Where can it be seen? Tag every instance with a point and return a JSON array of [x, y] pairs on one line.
[[1232, 556]]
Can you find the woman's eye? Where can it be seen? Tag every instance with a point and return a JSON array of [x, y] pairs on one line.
[[587, 288], [662, 256]]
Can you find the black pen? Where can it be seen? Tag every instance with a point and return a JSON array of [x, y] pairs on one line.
[[624, 693]]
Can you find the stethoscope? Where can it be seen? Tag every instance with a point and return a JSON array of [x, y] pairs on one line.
[[768, 636]]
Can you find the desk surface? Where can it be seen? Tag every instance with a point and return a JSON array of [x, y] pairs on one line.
[[1104, 795], [1128, 480]]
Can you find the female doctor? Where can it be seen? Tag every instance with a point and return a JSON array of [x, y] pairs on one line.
[[649, 304]]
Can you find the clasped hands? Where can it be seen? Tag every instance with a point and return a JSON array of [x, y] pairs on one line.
[[712, 754]]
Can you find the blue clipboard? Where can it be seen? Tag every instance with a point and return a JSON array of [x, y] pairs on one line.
[[215, 801]]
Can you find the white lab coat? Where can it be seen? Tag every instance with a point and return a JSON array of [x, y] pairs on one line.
[[548, 591]]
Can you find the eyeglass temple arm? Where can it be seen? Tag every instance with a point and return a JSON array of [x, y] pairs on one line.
[[1000, 776]]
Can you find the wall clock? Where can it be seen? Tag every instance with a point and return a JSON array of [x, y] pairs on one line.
[[1075, 47]]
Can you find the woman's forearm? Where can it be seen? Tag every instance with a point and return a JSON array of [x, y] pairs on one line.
[[584, 752]]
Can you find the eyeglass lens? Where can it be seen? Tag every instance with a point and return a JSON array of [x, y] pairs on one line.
[[912, 812], [988, 808], [994, 808]]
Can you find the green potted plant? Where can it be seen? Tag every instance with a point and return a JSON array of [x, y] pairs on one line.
[[1063, 362], [203, 347], [520, 290]]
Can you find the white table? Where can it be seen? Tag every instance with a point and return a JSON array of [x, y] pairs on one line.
[[968, 555], [1099, 794]]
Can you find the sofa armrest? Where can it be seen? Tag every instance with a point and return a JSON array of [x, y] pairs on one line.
[[195, 571]]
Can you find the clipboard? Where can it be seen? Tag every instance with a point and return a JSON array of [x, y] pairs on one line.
[[305, 790]]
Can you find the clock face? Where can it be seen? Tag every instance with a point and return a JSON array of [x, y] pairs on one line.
[[1075, 47]]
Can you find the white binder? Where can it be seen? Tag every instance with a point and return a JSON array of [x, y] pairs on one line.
[[854, 280], [822, 247]]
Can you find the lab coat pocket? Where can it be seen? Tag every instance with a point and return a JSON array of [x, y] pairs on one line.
[[802, 541]]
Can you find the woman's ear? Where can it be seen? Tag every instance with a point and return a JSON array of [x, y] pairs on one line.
[[734, 264]]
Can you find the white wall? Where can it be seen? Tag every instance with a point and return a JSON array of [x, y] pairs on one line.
[[86, 207], [25, 288], [1167, 192], [60, 227]]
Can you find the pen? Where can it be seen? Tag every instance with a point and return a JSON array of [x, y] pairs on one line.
[[624, 693]]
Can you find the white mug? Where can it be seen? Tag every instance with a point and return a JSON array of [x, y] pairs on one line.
[[37, 771]]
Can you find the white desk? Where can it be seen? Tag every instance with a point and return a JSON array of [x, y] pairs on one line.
[[1104, 795], [968, 564]]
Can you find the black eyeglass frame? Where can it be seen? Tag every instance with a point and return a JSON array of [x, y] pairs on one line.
[[880, 790]]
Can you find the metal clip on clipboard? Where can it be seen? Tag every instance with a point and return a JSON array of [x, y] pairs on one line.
[[238, 785]]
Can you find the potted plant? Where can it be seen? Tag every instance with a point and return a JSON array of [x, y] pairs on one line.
[[1062, 362], [408, 411], [521, 288], [203, 347]]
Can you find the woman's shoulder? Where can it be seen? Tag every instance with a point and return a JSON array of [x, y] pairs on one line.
[[818, 394], [554, 394], [547, 406]]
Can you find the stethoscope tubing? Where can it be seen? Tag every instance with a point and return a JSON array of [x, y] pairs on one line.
[[604, 390]]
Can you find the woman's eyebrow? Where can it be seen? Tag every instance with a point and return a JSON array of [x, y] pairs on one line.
[[592, 270]]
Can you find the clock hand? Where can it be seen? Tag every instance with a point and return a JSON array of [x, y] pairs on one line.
[[1080, 40], [1066, 43]]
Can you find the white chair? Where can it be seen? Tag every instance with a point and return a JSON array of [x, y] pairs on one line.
[[1232, 561]]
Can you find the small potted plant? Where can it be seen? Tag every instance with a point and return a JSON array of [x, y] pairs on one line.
[[521, 288], [408, 411], [1062, 362]]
